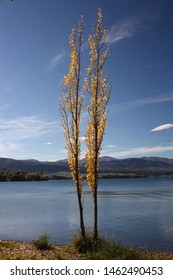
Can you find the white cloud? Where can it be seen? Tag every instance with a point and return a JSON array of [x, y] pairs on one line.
[[56, 60], [162, 127], [122, 30], [140, 151], [6, 148], [26, 127], [82, 138], [111, 146], [48, 143], [15, 134], [143, 102], [129, 27]]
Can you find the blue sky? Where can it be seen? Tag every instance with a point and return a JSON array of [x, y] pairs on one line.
[[34, 57]]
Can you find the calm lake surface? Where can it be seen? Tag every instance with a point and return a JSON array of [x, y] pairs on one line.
[[132, 211]]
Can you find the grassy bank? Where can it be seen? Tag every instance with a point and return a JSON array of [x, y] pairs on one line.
[[77, 250]]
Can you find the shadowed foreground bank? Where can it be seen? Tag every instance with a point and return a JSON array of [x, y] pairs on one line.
[[12, 250]]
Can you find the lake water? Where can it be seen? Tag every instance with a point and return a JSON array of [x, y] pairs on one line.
[[135, 211]]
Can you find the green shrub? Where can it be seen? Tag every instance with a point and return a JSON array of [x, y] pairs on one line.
[[42, 242], [109, 250], [87, 244], [103, 249]]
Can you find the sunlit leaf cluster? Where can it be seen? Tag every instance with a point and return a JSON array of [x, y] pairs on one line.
[[97, 86], [71, 103]]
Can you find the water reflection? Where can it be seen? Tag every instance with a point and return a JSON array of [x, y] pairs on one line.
[[134, 211]]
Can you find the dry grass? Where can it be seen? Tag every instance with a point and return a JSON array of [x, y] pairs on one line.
[[12, 250]]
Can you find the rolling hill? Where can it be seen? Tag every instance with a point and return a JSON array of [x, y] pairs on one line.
[[149, 166]]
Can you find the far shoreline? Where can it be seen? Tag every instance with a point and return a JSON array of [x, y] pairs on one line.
[[49, 177]]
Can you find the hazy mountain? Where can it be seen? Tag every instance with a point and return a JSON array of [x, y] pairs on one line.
[[33, 165], [144, 166], [106, 158]]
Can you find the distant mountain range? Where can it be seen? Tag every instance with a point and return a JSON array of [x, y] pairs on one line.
[[147, 166]]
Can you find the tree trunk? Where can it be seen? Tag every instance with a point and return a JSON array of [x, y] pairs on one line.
[[95, 215], [82, 226], [95, 192]]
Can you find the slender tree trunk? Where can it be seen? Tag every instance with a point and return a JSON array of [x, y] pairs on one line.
[[96, 175], [95, 215], [79, 195], [82, 226], [70, 108], [96, 85]]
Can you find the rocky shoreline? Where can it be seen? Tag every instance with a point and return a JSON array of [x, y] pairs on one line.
[[14, 250]]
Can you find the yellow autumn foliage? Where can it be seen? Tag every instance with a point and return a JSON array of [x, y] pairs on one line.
[[97, 86], [71, 104]]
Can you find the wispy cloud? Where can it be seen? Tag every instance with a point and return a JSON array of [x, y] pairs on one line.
[[7, 148], [140, 151], [143, 102], [111, 146], [163, 127], [82, 138], [15, 134], [129, 27], [26, 127], [48, 143], [56, 60]]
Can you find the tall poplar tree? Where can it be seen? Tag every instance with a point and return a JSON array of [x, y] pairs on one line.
[[70, 107], [97, 86], [96, 83]]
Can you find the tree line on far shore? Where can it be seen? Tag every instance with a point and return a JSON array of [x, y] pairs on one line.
[[18, 175]]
